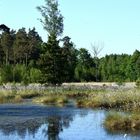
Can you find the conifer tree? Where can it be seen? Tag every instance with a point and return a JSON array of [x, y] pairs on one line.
[[51, 60]]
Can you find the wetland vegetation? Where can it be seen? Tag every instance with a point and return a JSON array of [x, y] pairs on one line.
[[124, 100], [25, 58]]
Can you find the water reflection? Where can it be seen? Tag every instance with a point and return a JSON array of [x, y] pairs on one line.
[[22, 120], [20, 126], [55, 126], [32, 122]]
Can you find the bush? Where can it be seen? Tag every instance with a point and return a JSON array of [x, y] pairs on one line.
[[35, 75], [138, 83], [6, 73], [19, 72]]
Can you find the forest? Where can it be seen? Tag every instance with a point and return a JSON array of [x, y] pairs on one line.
[[25, 58]]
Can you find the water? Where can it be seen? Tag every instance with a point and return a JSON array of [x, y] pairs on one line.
[[38, 122]]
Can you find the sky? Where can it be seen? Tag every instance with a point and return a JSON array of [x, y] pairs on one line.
[[113, 25]]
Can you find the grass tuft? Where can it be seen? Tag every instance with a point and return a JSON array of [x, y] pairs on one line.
[[120, 122], [51, 99]]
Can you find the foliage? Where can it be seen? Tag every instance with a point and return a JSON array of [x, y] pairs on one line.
[[25, 58], [6, 74], [69, 59], [7, 40], [84, 70], [53, 20], [138, 83], [50, 62], [35, 75]]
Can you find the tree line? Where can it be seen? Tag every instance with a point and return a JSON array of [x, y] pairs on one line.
[[24, 57]]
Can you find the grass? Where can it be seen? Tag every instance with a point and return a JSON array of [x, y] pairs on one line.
[[13, 96], [120, 99], [126, 100], [120, 122], [9, 97], [28, 94], [51, 99]]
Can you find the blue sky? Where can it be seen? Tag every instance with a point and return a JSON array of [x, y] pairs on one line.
[[113, 24]]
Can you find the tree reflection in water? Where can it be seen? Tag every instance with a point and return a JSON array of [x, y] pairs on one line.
[[54, 125], [20, 126], [36, 121]]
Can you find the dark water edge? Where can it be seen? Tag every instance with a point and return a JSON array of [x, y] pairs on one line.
[[39, 122]]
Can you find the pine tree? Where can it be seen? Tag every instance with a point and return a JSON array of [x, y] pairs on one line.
[[21, 48], [69, 58], [50, 62], [7, 39], [34, 43]]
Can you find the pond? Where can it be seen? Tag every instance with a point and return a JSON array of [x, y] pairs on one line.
[[40, 122]]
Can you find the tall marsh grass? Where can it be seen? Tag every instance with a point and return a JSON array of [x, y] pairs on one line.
[[121, 122], [122, 99], [9, 97]]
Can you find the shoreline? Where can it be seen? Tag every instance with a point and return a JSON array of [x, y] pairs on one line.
[[74, 85]]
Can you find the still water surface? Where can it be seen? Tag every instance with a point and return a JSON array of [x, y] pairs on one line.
[[38, 122]]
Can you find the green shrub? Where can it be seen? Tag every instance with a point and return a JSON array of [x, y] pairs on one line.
[[35, 75], [6, 74], [138, 83]]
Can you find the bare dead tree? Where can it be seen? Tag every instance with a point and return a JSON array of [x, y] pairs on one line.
[[96, 49]]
